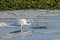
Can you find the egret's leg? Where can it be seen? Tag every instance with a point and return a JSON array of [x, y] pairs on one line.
[[21, 28]]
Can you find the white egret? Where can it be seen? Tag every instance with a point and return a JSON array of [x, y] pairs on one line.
[[23, 22]]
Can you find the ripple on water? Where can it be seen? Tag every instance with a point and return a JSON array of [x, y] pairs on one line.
[[19, 34]]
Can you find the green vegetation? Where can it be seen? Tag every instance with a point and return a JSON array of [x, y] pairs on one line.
[[29, 4]]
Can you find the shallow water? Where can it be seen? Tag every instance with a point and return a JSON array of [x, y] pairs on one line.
[[50, 33]]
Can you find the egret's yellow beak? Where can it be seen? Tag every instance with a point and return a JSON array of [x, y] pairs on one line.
[[33, 23]]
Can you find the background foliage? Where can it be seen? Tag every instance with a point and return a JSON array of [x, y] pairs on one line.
[[29, 4]]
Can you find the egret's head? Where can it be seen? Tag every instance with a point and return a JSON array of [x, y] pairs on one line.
[[31, 22]]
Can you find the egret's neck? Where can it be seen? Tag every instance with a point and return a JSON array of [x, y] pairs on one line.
[[29, 24]]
